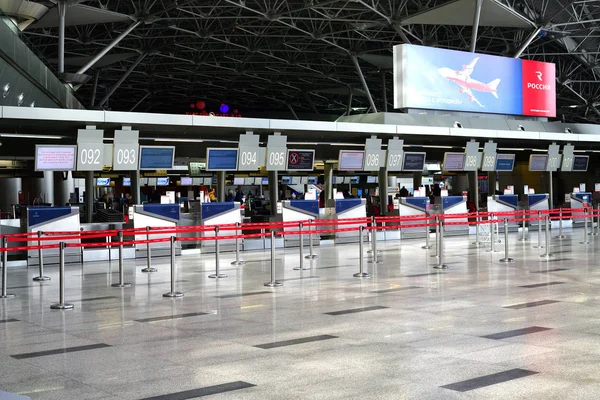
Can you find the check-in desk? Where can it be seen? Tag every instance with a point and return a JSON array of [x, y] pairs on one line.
[[577, 202], [504, 203], [414, 207], [348, 208], [156, 216], [535, 203], [51, 219], [217, 214], [299, 210], [452, 205]]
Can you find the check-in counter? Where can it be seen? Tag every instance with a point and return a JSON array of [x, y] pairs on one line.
[[348, 208], [216, 214], [51, 219], [299, 210], [504, 203], [452, 205], [536, 202], [578, 200], [413, 207], [156, 216]]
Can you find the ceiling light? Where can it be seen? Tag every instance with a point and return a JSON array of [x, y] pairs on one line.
[[20, 99], [6, 90], [346, 144], [27, 136], [179, 140], [431, 146]]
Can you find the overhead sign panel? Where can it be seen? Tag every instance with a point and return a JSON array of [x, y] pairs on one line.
[[126, 150], [156, 157], [251, 156], [276, 153], [394, 155], [440, 79], [351, 160], [90, 150], [489, 157], [567, 158], [221, 159], [300, 160], [55, 158], [374, 157], [554, 158], [473, 156]]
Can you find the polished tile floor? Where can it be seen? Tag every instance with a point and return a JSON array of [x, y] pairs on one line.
[[478, 330]]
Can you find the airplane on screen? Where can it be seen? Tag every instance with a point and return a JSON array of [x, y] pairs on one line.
[[466, 84]]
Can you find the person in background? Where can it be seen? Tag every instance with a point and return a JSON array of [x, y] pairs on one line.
[[212, 195], [229, 196], [239, 196], [403, 192]]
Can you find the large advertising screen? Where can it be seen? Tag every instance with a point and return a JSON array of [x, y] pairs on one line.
[[440, 79]]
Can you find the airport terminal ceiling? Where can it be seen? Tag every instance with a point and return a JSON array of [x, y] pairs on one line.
[[267, 58]]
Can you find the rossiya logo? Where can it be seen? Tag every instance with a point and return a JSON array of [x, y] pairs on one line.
[[539, 75], [539, 86]]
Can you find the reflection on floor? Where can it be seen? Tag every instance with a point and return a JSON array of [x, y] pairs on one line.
[[480, 329]]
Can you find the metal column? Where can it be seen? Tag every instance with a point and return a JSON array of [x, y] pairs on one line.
[[383, 188], [89, 196], [136, 196], [475, 25], [221, 186], [328, 182], [122, 79], [527, 42], [384, 91], [551, 191], [273, 191], [62, 10], [364, 83]]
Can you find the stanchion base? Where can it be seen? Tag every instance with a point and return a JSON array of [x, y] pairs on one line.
[[173, 294], [362, 275], [273, 284], [371, 251], [65, 306], [560, 237], [584, 242], [238, 263], [593, 234], [303, 268], [313, 257], [441, 266], [426, 247], [149, 270], [547, 255], [121, 285], [41, 278], [524, 240], [537, 246], [507, 260], [7, 296], [493, 251], [219, 276], [477, 244], [375, 262]]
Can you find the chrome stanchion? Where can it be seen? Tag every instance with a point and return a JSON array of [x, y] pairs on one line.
[[593, 232], [41, 277], [547, 239], [121, 283], [441, 264], [310, 256], [585, 227], [149, 267], [506, 258], [273, 282], [301, 246], [477, 242], [492, 234], [217, 274], [375, 253], [524, 238], [539, 240], [238, 231], [61, 305], [437, 237], [361, 257], [4, 295], [173, 293], [560, 225], [81, 250], [427, 233], [371, 236]]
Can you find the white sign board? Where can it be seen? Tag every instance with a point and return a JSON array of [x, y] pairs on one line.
[[55, 158]]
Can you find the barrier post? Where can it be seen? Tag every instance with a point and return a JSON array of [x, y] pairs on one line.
[[547, 239], [301, 247], [539, 239], [585, 227], [524, 238], [238, 232], [506, 258], [441, 264], [217, 274], [121, 283], [492, 234], [149, 267], [3, 295], [375, 259], [81, 249], [560, 225], [61, 305], [477, 243], [310, 256], [427, 233], [594, 232], [273, 282], [173, 293], [361, 257], [437, 237], [41, 277]]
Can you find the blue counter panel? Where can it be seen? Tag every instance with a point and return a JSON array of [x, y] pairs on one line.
[[581, 194], [342, 205], [509, 199], [310, 206], [419, 202], [40, 215], [170, 211], [536, 198], [451, 201], [211, 209]]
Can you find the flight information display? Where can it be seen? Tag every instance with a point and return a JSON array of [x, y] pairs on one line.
[[312, 180], [372, 179], [300, 160], [126, 181], [221, 159], [505, 162], [55, 158], [454, 161], [354, 180], [186, 181], [537, 162], [103, 182], [351, 160], [286, 180], [413, 162], [580, 163], [162, 181], [238, 181], [156, 157]]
